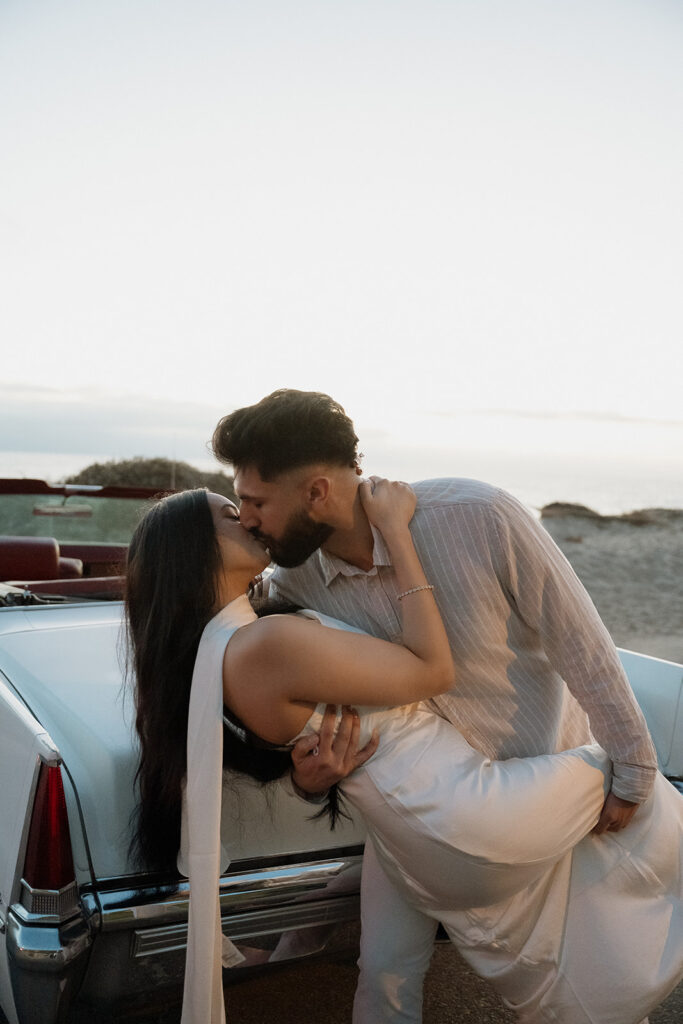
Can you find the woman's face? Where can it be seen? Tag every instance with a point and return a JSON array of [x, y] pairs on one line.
[[240, 550]]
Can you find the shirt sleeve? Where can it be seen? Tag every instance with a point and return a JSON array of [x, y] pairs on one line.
[[549, 597]]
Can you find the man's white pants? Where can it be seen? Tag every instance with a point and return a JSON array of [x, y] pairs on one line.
[[396, 946], [397, 942]]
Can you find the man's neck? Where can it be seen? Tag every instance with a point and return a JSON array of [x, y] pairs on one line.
[[354, 545]]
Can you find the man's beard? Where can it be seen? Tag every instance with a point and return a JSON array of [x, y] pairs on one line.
[[302, 536]]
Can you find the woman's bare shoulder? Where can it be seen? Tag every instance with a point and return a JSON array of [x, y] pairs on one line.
[[265, 637]]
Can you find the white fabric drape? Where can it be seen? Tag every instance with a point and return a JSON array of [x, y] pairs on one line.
[[201, 856]]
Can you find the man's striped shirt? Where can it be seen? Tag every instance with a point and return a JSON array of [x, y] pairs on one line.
[[534, 662]]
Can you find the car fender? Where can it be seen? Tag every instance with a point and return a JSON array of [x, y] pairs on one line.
[[658, 688], [24, 744]]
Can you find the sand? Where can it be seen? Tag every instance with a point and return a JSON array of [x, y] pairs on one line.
[[632, 567]]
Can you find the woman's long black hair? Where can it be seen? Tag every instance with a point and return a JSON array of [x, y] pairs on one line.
[[171, 594]]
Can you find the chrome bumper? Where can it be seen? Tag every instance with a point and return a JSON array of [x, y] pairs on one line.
[[47, 964], [126, 948]]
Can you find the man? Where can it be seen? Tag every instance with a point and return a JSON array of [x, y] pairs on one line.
[[534, 663]]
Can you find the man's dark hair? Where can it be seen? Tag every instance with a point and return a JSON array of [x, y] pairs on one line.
[[286, 430]]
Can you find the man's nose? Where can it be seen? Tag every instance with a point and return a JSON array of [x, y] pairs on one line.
[[248, 519]]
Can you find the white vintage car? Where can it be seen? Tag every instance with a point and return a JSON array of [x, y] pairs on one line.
[[81, 932]]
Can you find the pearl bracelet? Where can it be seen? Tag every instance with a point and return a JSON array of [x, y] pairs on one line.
[[414, 590]]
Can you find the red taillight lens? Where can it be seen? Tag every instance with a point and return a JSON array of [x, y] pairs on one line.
[[48, 863]]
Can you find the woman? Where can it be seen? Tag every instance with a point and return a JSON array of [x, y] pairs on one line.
[[578, 934]]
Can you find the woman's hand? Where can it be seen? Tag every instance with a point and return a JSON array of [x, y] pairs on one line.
[[388, 504]]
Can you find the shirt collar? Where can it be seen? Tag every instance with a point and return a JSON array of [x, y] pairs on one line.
[[331, 566]]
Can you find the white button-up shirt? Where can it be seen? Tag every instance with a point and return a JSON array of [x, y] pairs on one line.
[[534, 662]]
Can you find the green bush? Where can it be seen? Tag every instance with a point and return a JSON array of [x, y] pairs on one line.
[[162, 473]]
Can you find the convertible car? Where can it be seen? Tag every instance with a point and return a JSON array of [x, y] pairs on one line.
[[83, 934]]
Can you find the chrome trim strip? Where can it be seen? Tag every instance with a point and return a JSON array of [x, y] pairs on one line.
[[239, 892], [152, 941]]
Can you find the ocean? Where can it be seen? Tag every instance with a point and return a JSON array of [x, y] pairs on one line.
[[609, 486]]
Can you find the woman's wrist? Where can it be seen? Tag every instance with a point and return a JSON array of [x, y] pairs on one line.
[[397, 536], [414, 590]]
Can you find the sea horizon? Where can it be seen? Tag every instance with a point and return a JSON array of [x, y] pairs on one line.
[[610, 488]]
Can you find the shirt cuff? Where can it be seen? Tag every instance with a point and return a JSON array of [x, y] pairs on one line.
[[632, 782]]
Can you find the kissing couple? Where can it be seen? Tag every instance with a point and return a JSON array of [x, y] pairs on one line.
[[495, 750]]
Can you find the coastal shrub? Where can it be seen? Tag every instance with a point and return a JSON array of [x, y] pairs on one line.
[[166, 474]]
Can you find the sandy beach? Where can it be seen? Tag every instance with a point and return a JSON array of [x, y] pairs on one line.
[[632, 567]]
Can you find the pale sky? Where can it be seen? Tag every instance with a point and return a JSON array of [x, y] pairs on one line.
[[431, 210]]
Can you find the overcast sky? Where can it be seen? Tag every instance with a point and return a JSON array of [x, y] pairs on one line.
[[428, 209]]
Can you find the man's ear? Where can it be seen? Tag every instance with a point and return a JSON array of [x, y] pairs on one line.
[[317, 494]]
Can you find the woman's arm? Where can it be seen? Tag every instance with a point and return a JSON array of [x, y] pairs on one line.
[[285, 660]]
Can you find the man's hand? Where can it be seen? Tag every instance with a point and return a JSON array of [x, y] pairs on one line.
[[616, 814], [321, 761]]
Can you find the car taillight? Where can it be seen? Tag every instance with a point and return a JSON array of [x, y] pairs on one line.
[[49, 862]]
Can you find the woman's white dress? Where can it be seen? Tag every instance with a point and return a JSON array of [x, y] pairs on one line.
[[569, 927]]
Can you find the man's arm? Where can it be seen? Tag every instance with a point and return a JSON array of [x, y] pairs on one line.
[[550, 598]]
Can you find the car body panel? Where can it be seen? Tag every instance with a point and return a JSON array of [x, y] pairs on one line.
[[23, 743], [69, 678], [658, 686]]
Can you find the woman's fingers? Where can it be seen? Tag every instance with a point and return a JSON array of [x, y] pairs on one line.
[[387, 501], [365, 490]]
